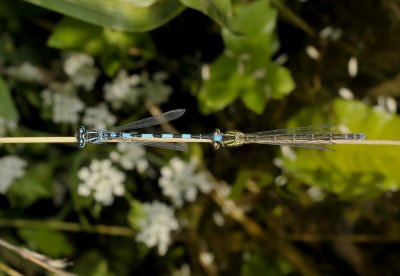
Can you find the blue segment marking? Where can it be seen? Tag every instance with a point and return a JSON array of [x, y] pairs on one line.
[[217, 138], [147, 135], [167, 136], [126, 135], [186, 136]]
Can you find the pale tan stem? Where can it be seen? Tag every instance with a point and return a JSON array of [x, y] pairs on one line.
[[43, 140], [368, 142]]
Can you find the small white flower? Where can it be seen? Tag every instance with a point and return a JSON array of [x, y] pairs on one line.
[[346, 93], [73, 62], [206, 258], [27, 72], [130, 156], [179, 181], [183, 271], [98, 117], [122, 90], [156, 226], [80, 68], [316, 194], [155, 90], [6, 124], [312, 52], [11, 168], [386, 104], [102, 180], [352, 67], [65, 105]]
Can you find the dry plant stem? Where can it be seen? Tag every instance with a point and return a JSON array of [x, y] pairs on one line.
[[368, 142], [355, 238], [285, 249], [8, 270], [69, 227], [42, 140], [32, 256]]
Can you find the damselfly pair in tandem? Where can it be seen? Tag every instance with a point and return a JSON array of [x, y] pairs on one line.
[[313, 137]]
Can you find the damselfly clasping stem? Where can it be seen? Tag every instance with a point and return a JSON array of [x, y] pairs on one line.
[[313, 137]]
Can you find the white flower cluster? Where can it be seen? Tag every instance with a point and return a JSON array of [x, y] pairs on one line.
[[6, 124], [65, 105], [155, 90], [122, 90], [179, 181], [11, 168], [98, 117], [102, 180], [127, 90], [27, 72], [81, 70], [130, 156], [156, 226]]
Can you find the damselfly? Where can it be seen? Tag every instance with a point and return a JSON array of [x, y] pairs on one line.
[[314, 137]]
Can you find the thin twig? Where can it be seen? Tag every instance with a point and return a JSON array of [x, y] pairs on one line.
[[39, 259], [368, 142], [8, 270], [34, 140], [285, 248], [69, 227]]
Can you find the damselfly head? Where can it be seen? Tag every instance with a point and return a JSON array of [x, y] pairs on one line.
[[80, 136]]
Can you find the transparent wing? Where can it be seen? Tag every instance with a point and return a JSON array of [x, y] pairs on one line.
[[152, 121], [321, 129], [173, 146], [320, 145]]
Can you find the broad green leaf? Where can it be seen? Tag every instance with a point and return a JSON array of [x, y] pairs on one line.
[[251, 74], [34, 185], [255, 19], [254, 96], [219, 10], [219, 90], [351, 170], [49, 242], [76, 35], [7, 106], [117, 14]]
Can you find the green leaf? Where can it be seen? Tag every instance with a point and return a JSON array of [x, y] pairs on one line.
[[34, 185], [219, 90], [256, 19], [219, 10], [76, 35], [49, 242], [255, 98], [7, 106], [281, 81], [135, 213], [257, 265], [352, 170], [117, 14], [92, 263], [246, 67]]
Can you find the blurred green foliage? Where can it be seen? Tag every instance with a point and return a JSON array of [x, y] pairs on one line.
[[245, 69], [352, 170]]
